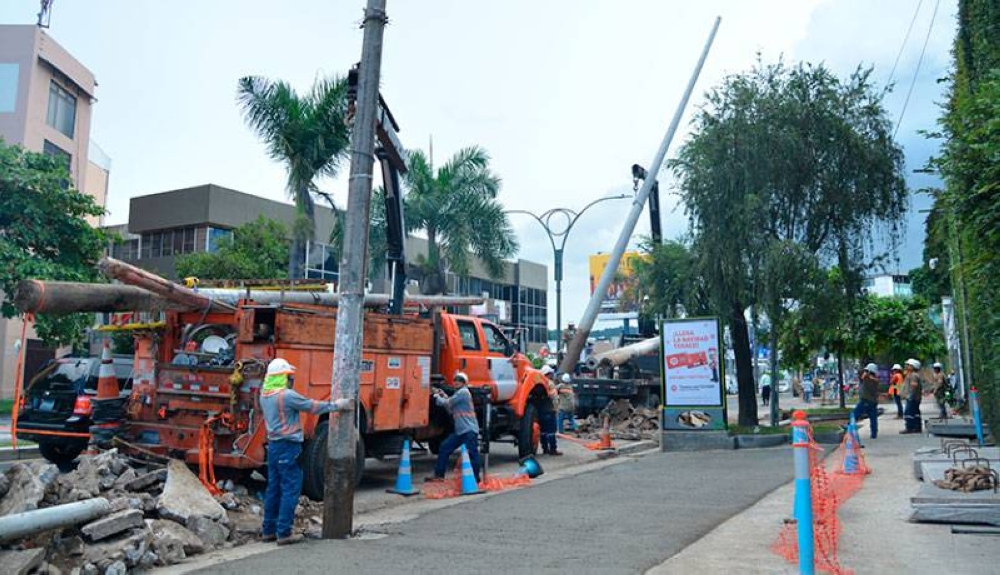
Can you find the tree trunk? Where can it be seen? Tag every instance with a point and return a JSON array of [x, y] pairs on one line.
[[840, 377], [296, 258], [434, 283], [775, 380], [744, 368]]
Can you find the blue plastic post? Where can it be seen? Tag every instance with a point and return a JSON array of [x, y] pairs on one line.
[[803, 493], [977, 418]]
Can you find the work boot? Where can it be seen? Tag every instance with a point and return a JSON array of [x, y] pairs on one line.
[[291, 539], [555, 452], [268, 538]]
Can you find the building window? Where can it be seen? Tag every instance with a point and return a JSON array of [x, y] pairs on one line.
[[62, 109], [215, 238], [58, 153], [321, 262], [8, 87]]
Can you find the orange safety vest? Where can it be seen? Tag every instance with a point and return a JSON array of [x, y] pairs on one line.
[[894, 382]]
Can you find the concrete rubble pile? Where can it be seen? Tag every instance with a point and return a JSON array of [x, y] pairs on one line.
[[626, 422], [135, 516]]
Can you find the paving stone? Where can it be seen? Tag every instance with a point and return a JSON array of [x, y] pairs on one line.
[[184, 496], [112, 524]]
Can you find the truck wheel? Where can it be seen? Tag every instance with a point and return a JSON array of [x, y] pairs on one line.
[[60, 453], [314, 463], [529, 432]]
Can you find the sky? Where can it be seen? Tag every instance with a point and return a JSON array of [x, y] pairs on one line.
[[564, 95]]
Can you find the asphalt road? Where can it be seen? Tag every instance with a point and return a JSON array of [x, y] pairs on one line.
[[624, 518]]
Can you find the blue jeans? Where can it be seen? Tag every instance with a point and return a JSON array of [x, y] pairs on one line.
[[911, 415], [547, 423], [284, 485], [564, 416], [868, 409], [471, 442]]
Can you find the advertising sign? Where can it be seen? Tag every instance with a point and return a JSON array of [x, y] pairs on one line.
[[621, 295], [693, 390]]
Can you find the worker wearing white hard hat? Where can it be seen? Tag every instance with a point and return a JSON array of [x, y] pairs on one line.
[[896, 388], [466, 432], [912, 389], [281, 406], [940, 389], [565, 404], [868, 398]]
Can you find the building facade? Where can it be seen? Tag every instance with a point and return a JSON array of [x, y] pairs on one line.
[[889, 285], [163, 226], [46, 103]]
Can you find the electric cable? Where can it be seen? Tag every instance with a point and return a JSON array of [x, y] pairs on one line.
[[906, 38], [916, 72]]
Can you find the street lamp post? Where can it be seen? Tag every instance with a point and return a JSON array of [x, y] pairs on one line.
[[560, 232]]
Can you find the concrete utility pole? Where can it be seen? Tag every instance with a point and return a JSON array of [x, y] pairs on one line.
[[587, 323], [338, 496]]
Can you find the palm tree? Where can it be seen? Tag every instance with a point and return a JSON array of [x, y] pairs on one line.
[[308, 133], [457, 208]]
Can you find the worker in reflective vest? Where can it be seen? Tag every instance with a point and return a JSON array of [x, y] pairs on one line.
[[466, 432], [895, 388]]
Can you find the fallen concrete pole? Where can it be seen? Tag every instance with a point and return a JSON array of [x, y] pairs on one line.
[[624, 354], [36, 296], [19, 525], [270, 297], [176, 293]]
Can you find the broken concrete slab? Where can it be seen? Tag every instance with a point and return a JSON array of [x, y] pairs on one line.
[[116, 568], [129, 545], [184, 496], [112, 524], [147, 480], [4, 485], [28, 484], [21, 562], [938, 456], [211, 532], [164, 529], [124, 478], [245, 523]]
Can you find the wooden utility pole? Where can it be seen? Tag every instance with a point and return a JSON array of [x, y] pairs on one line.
[[338, 496]]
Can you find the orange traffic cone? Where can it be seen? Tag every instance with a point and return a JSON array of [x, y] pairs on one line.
[[107, 383], [605, 437]]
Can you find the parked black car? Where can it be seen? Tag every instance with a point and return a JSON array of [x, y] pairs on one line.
[[56, 407]]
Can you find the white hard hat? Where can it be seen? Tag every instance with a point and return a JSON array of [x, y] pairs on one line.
[[896, 366], [280, 366], [461, 375], [567, 378], [937, 365], [913, 363], [872, 369]]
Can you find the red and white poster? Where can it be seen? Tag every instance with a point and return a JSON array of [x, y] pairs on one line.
[[692, 374]]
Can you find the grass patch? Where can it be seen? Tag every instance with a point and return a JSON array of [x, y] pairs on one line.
[[826, 427], [6, 406]]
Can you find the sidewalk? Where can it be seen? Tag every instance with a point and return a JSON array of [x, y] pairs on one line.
[[877, 536]]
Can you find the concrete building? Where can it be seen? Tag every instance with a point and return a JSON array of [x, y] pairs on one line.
[[165, 225], [889, 285], [46, 101]]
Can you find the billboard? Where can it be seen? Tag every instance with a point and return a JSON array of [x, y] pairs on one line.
[[622, 294], [693, 374]]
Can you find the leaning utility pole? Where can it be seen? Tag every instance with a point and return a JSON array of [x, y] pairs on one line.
[[338, 496], [590, 314]]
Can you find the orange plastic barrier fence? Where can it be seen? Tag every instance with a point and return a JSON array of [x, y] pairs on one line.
[[453, 487], [831, 487]]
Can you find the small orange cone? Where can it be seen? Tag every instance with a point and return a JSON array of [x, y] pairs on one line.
[[605, 437]]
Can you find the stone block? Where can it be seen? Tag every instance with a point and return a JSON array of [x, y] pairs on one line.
[[28, 483], [184, 496], [112, 524], [21, 562], [164, 530], [147, 480], [210, 532]]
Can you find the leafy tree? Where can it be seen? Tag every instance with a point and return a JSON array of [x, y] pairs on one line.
[[669, 276], [308, 133], [786, 156], [255, 250], [970, 201], [44, 234], [457, 207]]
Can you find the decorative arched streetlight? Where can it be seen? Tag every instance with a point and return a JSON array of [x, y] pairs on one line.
[[557, 223]]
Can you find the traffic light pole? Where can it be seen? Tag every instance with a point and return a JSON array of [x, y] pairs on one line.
[[338, 496]]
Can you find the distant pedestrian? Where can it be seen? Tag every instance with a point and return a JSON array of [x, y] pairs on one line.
[[765, 388], [896, 388], [940, 389], [912, 390], [807, 390], [281, 406], [466, 432], [566, 403], [868, 398]]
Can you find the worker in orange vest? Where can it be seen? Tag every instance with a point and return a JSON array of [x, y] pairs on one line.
[[895, 385]]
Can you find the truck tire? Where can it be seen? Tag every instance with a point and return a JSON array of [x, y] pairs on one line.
[[528, 431], [314, 463], [60, 453]]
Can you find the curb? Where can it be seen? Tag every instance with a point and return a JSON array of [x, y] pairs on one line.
[[11, 454]]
